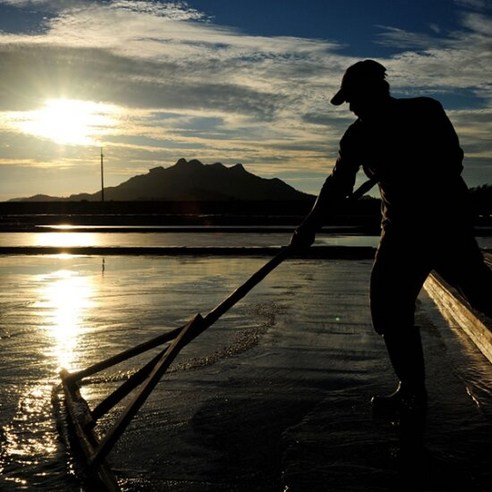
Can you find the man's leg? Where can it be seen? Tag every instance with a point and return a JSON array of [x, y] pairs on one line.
[[406, 355], [397, 277]]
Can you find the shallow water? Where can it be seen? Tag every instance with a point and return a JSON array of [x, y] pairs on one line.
[[273, 397], [260, 237]]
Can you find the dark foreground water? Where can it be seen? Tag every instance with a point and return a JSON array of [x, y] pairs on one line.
[[273, 397]]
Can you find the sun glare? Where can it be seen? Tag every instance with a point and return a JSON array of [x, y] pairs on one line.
[[69, 121], [66, 239]]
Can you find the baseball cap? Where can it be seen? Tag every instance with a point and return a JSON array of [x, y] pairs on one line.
[[359, 75]]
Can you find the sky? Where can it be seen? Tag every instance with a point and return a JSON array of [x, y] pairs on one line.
[[230, 81]]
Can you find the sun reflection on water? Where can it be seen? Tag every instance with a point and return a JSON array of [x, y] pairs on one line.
[[30, 452], [66, 296], [65, 239], [29, 440]]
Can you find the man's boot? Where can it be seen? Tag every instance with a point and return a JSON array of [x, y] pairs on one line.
[[405, 352]]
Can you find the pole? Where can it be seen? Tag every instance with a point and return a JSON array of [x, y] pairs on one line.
[[102, 175]]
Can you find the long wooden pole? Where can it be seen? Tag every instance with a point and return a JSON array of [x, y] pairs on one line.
[[154, 370], [211, 317]]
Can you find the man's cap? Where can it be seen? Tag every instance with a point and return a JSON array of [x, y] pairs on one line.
[[357, 76]]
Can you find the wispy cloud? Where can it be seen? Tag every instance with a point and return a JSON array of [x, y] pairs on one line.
[[481, 5], [455, 61]]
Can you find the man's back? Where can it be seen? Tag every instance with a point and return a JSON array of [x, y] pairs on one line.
[[412, 148]]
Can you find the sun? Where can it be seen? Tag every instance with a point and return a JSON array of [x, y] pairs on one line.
[[69, 121]]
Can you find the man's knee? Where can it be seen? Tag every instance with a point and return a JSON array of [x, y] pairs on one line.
[[391, 316]]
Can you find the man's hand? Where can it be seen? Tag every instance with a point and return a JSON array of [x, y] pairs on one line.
[[303, 237]]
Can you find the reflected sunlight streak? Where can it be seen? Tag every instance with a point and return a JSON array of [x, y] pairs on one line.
[[65, 239], [67, 297], [29, 438]]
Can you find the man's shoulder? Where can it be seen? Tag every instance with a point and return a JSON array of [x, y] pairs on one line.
[[422, 102], [353, 131]]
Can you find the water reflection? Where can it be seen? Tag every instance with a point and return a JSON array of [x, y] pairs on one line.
[[30, 442], [33, 413], [65, 239], [66, 295], [61, 293], [68, 236]]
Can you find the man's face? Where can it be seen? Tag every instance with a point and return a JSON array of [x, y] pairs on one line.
[[361, 106], [365, 105]]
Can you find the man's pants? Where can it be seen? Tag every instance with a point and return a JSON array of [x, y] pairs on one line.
[[403, 262]]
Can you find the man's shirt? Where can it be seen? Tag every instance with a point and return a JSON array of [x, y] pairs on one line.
[[413, 151]]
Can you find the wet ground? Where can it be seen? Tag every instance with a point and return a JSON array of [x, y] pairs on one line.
[[273, 397]]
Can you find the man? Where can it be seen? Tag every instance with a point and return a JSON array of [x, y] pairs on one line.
[[411, 149]]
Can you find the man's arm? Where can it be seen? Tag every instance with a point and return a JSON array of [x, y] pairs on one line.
[[338, 186]]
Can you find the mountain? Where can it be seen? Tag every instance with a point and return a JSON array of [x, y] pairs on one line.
[[192, 181]]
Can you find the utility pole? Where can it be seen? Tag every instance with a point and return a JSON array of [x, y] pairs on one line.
[[102, 175]]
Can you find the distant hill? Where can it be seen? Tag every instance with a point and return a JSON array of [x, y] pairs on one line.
[[191, 181]]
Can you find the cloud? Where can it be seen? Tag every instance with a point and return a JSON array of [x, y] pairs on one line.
[[459, 60], [128, 55], [481, 5], [190, 88]]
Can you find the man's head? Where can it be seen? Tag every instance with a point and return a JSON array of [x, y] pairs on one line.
[[363, 81]]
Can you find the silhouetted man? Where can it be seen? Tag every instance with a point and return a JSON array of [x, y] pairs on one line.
[[411, 149]]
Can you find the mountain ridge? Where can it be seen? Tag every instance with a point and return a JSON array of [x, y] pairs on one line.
[[190, 181]]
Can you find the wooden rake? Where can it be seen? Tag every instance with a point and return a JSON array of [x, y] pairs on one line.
[[83, 420]]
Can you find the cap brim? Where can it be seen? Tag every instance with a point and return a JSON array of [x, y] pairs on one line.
[[338, 98]]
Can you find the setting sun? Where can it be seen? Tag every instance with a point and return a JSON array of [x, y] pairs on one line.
[[69, 121]]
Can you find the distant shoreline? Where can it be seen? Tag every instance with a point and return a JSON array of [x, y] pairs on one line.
[[27, 216], [232, 216], [172, 229], [315, 252]]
